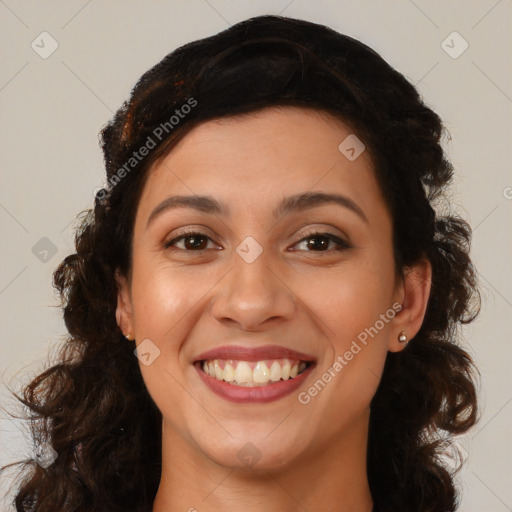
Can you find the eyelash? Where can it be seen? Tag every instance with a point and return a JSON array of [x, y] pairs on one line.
[[342, 244]]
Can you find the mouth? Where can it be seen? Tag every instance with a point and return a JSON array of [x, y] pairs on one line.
[[258, 374], [250, 373]]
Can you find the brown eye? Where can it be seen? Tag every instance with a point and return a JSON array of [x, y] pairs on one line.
[[192, 241], [319, 242]]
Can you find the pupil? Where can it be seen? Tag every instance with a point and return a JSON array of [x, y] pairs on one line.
[[195, 242], [318, 245]]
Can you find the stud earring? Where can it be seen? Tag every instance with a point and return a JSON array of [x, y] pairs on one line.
[[402, 338], [128, 336]]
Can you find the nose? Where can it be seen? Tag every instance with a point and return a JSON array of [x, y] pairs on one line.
[[253, 295]]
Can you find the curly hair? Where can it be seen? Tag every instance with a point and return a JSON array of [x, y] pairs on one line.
[[92, 406]]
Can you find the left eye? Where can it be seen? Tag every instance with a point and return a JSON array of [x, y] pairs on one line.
[[325, 239], [315, 242]]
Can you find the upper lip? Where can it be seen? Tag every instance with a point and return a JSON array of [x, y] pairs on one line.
[[244, 353]]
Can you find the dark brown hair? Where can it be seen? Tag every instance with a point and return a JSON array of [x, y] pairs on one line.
[[92, 406]]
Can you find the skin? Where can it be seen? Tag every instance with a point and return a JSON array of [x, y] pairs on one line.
[[312, 456]]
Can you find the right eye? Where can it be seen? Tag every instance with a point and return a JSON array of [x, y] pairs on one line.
[[193, 241]]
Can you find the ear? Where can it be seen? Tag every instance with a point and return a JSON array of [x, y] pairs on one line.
[[124, 310], [413, 293]]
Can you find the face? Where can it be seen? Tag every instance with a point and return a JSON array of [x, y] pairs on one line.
[[269, 275]]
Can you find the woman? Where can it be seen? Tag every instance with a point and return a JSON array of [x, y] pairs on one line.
[[267, 247]]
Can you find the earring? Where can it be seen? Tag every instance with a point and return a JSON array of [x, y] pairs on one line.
[[128, 336], [402, 338]]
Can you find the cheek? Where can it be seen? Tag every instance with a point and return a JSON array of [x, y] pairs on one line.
[[350, 302], [168, 303], [160, 307], [351, 297], [165, 304], [164, 297], [364, 322]]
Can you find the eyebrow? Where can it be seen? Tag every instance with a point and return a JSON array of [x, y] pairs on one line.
[[295, 203]]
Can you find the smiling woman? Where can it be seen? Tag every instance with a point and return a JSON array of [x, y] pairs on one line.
[[276, 264]]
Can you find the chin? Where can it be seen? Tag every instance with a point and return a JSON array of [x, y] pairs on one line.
[[253, 454]]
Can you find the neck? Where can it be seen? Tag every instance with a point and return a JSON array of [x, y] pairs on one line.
[[333, 479]]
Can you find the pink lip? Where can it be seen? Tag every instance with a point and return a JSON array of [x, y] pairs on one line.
[[258, 394], [240, 353]]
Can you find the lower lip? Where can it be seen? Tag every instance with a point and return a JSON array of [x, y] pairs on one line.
[[256, 394]]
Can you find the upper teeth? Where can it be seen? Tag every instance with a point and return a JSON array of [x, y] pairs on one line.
[[258, 373]]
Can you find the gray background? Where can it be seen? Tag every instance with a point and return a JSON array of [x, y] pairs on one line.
[[53, 108]]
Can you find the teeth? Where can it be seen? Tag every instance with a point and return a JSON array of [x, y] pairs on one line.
[[218, 370], [243, 373], [261, 373], [275, 371], [285, 370], [229, 373]]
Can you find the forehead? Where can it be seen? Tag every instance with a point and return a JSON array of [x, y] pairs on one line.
[[261, 157]]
